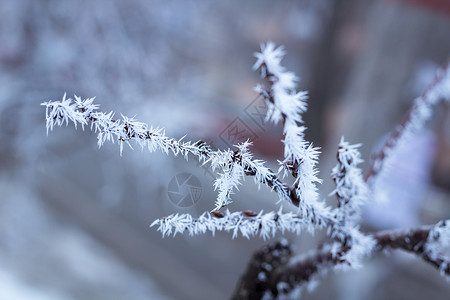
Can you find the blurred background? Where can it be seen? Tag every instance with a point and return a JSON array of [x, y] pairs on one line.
[[74, 220]]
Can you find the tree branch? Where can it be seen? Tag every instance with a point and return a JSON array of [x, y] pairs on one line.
[[300, 270], [413, 241], [258, 277]]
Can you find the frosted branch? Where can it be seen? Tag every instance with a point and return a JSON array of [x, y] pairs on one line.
[[84, 112], [293, 274], [428, 242], [245, 223], [255, 283], [346, 246], [287, 105], [351, 190]]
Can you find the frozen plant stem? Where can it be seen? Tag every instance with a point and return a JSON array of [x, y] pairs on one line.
[[275, 271]]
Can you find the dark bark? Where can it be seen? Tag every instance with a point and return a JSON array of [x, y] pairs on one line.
[[303, 270], [259, 276]]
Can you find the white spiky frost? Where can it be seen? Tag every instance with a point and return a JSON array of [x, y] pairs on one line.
[[230, 178], [287, 105], [85, 112], [423, 106], [351, 245], [232, 164], [60, 112], [264, 225], [351, 189], [360, 246]]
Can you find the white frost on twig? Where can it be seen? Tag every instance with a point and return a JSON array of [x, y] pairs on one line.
[[287, 105], [60, 112], [233, 164], [243, 223], [353, 249], [231, 176], [351, 189], [127, 129]]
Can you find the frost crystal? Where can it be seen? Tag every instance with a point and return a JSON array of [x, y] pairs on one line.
[[231, 176], [60, 112]]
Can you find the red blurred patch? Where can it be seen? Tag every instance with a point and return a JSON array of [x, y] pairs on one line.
[[442, 6]]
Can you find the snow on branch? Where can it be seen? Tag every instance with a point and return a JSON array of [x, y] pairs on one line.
[[246, 223], [351, 246], [256, 282], [287, 276], [231, 176], [60, 112]]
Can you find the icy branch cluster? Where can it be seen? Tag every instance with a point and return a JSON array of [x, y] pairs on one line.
[[231, 166], [347, 246], [287, 105]]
